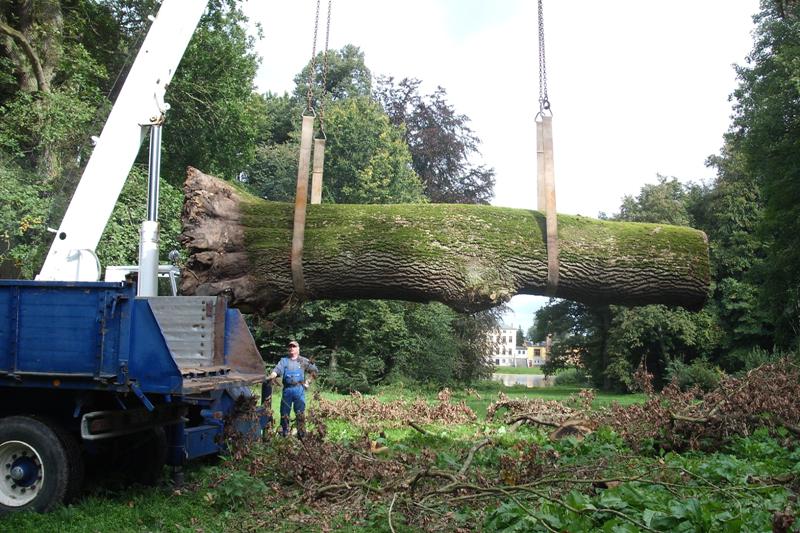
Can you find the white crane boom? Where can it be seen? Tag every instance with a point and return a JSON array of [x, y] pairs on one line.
[[139, 105]]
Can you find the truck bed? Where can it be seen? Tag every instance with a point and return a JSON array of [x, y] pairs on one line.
[[100, 335]]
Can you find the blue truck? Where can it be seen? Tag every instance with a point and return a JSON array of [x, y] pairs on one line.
[[90, 370], [107, 371]]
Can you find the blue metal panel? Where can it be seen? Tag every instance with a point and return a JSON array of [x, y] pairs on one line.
[[59, 330], [56, 329], [202, 440], [8, 311]]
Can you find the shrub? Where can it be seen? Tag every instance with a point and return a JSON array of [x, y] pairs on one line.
[[572, 376], [698, 373]]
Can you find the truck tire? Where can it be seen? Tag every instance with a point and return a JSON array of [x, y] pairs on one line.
[[37, 473], [77, 470]]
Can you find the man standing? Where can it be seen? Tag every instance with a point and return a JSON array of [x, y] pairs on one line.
[[292, 370]]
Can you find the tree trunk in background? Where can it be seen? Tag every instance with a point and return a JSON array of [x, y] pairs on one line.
[[469, 257], [35, 49]]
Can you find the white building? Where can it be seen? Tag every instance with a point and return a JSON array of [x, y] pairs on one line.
[[505, 351]]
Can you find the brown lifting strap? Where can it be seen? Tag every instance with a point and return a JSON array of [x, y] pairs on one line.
[[301, 198], [547, 197], [546, 183], [316, 173]]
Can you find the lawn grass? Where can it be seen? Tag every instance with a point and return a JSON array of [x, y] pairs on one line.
[[519, 370]]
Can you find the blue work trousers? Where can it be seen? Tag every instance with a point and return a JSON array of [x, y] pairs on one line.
[[293, 397]]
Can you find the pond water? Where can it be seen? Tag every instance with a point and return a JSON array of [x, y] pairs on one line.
[[527, 380]]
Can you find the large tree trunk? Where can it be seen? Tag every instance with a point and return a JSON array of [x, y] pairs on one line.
[[469, 257]]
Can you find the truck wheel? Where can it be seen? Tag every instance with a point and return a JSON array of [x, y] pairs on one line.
[[35, 467], [75, 461]]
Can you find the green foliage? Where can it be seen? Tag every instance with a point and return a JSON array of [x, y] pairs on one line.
[[700, 373], [572, 376], [365, 342], [281, 118], [664, 202], [348, 77], [731, 214], [43, 130], [235, 488], [656, 334], [216, 119], [367, 160], [711, 496], [520, 337], [119, 244], [273, 174], [765, 133], [22, 222]]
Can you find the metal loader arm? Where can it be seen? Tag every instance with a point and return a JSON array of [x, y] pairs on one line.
[[139, 105]]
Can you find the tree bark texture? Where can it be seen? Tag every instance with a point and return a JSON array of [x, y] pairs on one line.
[[469, 257]]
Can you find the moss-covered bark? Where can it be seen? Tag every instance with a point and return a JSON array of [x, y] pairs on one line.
[[469, 257]]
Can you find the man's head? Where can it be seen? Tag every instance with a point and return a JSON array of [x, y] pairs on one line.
[[294, 348]]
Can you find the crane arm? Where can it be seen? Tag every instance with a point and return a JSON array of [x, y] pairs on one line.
[[139, 105]]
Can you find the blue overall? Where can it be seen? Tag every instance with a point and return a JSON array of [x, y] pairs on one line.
[[294, 394]]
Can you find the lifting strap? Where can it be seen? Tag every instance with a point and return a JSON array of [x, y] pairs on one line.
[[303, 164], [300, 199], [319, 141], [546, 185]]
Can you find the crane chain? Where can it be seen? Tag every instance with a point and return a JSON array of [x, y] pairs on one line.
[[544, 100], [310, 92], [324, 71]]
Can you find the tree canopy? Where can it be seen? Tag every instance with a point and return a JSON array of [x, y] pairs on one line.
[[61, 66]]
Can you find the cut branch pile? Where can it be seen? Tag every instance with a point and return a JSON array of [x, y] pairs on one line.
[[365, 412], [532, 411], [767, 396], [422, 489]]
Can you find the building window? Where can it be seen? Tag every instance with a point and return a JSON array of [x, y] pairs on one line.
[[537, 352], [497, 361]]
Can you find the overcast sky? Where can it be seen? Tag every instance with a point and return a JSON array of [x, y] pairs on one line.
[[638, 87]]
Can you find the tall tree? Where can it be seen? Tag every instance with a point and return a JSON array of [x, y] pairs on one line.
[[216, 118], [731, 213], [46, 112], [441, 143], [766, 132], [347, 76], [63, 62], [520, 338]]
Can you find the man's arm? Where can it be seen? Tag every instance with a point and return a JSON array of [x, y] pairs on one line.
[[311, 371], [278, 370]]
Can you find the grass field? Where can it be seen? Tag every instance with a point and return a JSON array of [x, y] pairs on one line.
[[519, 370], [277, 485]]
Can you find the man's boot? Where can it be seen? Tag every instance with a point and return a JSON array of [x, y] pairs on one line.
[[284, 425], [301, 425]]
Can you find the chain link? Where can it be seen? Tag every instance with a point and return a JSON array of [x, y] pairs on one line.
[[324, 72], [544, 101], [310, 92]]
